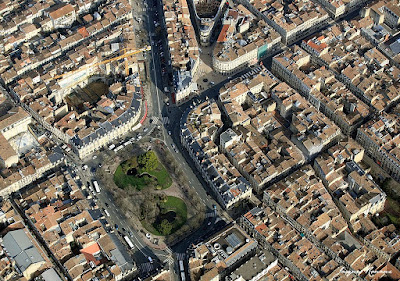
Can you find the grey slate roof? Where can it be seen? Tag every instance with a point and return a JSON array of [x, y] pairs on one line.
[[107, 126], [21, 249], [50, 275]]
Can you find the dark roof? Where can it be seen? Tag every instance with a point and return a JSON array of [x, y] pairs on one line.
[[21, 249]]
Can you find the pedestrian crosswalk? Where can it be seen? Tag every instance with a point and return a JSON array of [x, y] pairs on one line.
[[169, 251], [211, 215], [165, 120], [170, 260], [180, 256], [146, 267], [252, 72]]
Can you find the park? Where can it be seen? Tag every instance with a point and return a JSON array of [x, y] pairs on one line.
[[159, 214]]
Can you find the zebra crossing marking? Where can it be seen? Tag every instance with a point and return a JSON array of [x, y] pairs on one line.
[[180, 256], [146, 267], [210, 215]]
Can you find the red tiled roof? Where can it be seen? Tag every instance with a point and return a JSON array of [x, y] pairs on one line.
[[222, 35]]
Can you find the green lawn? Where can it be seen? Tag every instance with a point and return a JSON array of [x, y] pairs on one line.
[[163, 178], [174, 204], [124, 181], [159, 177], [179, 207]]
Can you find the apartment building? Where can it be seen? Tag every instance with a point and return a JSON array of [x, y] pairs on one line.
[[199, 129], [42, 54], [260, 159], [14, 122], [339, 8], [183, 48], [298, 254], [353, 190], [220, 254], [252, 89], [369, 74], [311, 130], [21, 256], [61, 15], [243, 40], [116, 117], [383, 11], [73, 230], [381, 240], [321, 87], [23, 159], [257, 144], [379, 137], [304, 198], [24, 253], [294, 21], [207, 14], [57, 102], [262, 266]]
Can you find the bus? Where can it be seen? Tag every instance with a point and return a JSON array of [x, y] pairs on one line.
[[118, 148], [129, 242], [182, 269], [96, 186]]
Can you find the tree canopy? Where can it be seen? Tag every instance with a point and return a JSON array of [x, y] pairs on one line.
[[165, 227], [148, 161]]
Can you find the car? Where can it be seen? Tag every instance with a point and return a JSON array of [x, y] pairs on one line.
[[94, 157], [169, 132], [123, 229], [148, 236], [116, 226], [100, 165], [106, 204], [130, 233], [209, 223]]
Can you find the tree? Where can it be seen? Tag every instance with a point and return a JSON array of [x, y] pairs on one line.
[[163, 197], [148, 161], [129, 164], [165, 227]]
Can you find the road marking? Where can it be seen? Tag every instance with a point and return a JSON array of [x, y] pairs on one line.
[[146, 267], [180, 256]]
